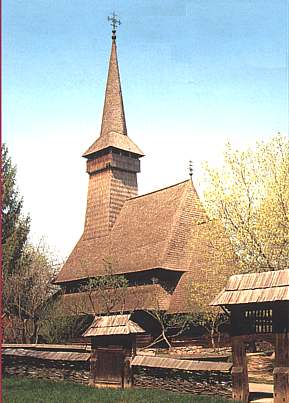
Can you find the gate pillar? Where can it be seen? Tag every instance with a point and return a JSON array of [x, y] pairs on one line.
[[281, 370], [240, 383]]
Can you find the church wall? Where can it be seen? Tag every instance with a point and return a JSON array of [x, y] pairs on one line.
[[112, 180], [123, 187], [107, 192], [97, 210]]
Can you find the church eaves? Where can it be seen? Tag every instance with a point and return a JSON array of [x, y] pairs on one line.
[[113, 133]]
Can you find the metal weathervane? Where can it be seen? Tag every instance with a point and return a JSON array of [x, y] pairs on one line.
[[191, 168], [114, 23]]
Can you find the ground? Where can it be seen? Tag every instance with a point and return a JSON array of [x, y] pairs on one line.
[[260, 367], [24, 390]]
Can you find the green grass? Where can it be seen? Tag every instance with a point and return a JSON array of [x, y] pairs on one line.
[[27, 390]]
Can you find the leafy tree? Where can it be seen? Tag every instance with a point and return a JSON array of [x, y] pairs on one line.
[[108, 292], [250, 196], [103, 295], [213, 267], [208, 317], [59, 327], [27, 270], [27, 292], [15, 226], [170, 325]]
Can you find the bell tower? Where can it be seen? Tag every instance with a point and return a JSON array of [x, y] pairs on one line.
[[112, 160]]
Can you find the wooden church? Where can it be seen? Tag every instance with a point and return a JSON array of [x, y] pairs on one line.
[[157, 241]]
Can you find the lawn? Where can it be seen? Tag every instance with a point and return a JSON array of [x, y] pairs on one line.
[[27, 390]]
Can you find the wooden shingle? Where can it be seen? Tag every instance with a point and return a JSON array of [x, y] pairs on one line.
[[112, 325], [249, 288]]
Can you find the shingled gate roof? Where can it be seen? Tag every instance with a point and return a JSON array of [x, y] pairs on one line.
[[152, 231], [249, 288], [113, 325]]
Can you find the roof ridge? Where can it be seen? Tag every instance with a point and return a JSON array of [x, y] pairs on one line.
[[176, 219], [183, 226], [158, 190], [260, 272]]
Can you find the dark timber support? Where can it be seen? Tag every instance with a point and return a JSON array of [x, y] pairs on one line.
[[93, 359], [281, 370], [240, 383]]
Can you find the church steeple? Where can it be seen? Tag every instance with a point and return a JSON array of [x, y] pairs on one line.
[[112, 160], [113, 117], [113, 126]]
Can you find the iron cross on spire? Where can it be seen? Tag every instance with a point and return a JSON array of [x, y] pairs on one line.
[[114, 23]]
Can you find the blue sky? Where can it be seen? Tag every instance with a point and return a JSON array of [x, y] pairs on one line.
[[194, 74]]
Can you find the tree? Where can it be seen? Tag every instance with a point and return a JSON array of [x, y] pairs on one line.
[[213, 266], [171, 325], [27, 270], [102, 295], [108, 292], [208, 317], [249, 195], [58, 326], [27, 292], [15, 226]]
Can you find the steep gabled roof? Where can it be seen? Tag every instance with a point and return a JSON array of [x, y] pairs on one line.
[[181, 300], [89, 257], [151, 231], [212, 262]]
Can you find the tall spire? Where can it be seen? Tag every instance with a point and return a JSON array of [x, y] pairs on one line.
[[113, 117], [112, 160], [113, 131]]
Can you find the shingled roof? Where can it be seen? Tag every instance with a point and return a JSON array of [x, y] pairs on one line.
[[250, 288], [209, 267], [152, 231], [112, 325], [113, 131], [113, 140], [134, 298]]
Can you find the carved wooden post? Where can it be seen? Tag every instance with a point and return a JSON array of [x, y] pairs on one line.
[[128, 356], [281, 370], [93, 359], [127, 372], [240, 384]]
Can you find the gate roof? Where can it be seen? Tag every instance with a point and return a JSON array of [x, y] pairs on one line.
[[112, 325], [270, 286]]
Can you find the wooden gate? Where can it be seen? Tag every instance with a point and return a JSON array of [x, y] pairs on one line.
[[108, 367]]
